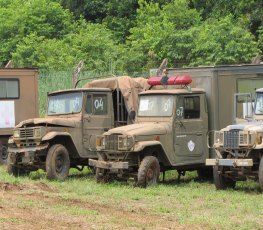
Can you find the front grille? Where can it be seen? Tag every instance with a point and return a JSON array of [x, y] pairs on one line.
[[231, 139], [26, 133], [111, 142]]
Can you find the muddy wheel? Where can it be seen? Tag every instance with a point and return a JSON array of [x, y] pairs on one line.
[[102, 175], [149, 171], [57, 162], [3, 154], [222, 182], [16, 171], [260, 174]]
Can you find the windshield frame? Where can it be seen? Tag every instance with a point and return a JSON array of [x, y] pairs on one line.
[[156, 111], [256, 103], [59, 96]]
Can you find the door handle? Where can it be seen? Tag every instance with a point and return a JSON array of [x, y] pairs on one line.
[[87, 118]]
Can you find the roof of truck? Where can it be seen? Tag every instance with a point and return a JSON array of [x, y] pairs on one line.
[[174, 91], [259, 90], [81, 90]]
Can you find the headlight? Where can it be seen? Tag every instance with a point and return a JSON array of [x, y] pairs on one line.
[[100, 142], [125, 142], [16, 134], [37, 132], [258, 139], [218, 137]]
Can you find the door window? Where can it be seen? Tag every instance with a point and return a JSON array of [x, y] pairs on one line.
[[188, 107], [192, 107], [97, 104]]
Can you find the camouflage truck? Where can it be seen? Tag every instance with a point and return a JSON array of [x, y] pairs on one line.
[[65, 138], [239, 147], [18, 101], [172, 123]]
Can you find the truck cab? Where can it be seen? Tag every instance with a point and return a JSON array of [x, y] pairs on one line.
[[239, 147], [169, 133], [66, 136]]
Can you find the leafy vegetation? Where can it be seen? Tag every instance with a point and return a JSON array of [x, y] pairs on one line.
[[127, 36]]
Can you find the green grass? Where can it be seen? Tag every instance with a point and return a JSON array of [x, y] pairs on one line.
[[190, 202]]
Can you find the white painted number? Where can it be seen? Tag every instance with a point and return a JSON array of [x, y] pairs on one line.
[[98, 104], [167, 105], [179, 112]]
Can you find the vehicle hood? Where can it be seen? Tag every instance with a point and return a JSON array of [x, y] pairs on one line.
[[248, 126], [65, 122], [149, 128]]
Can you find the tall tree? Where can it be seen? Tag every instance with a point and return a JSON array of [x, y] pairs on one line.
[[20, 18]]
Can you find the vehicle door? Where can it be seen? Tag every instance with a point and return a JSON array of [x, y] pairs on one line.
[[96, 119], [190, 127]]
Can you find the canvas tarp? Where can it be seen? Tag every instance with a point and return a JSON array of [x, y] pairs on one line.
[[129, 87]]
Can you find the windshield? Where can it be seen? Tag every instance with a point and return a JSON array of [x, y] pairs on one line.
[[156, 105], [259, 104], [64, 103]]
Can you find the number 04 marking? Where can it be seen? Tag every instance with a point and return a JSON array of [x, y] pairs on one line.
[[179, 111]]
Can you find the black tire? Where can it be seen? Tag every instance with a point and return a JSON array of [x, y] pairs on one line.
[[57, 163], [16, 170], [260, 174], [149, 172], [3, 154], [222, 182]]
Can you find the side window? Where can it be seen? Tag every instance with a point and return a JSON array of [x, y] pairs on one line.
[[89, 104], [9, 88], [97, 104], [191, 107]]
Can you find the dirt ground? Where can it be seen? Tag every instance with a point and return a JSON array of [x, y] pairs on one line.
[[38, 206]]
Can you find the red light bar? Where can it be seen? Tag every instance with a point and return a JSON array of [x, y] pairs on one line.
[[174, 80]]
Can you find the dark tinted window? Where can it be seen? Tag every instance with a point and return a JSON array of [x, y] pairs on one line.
[[9, 88], [191, 107]]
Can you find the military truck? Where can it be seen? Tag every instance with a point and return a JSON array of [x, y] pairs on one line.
[[65, 138], [18, 101], [239, 147], [171, 124]]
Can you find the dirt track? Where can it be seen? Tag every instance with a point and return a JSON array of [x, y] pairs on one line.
[[37, 206]]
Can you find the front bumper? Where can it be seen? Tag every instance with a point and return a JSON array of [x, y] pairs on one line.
[[230, 162], [109, 164], [24, 155]]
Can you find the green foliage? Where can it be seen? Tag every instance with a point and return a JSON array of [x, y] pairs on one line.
[[127, 36], [260, 39], [91, 43], [223, 42], [164, 32], [177, 32], [21, 18]]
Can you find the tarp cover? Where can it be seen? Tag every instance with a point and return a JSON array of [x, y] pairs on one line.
[[129, 87]]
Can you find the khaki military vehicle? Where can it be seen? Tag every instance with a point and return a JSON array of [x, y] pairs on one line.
[[65, 138], [18, 101], [161, 140], [239, 147], [169, 133]]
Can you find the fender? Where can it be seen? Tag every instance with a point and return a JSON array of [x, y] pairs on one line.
[[139, 146], [53, 134], [71, 146]]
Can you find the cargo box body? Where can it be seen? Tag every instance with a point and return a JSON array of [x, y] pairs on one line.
[[18, 100]]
